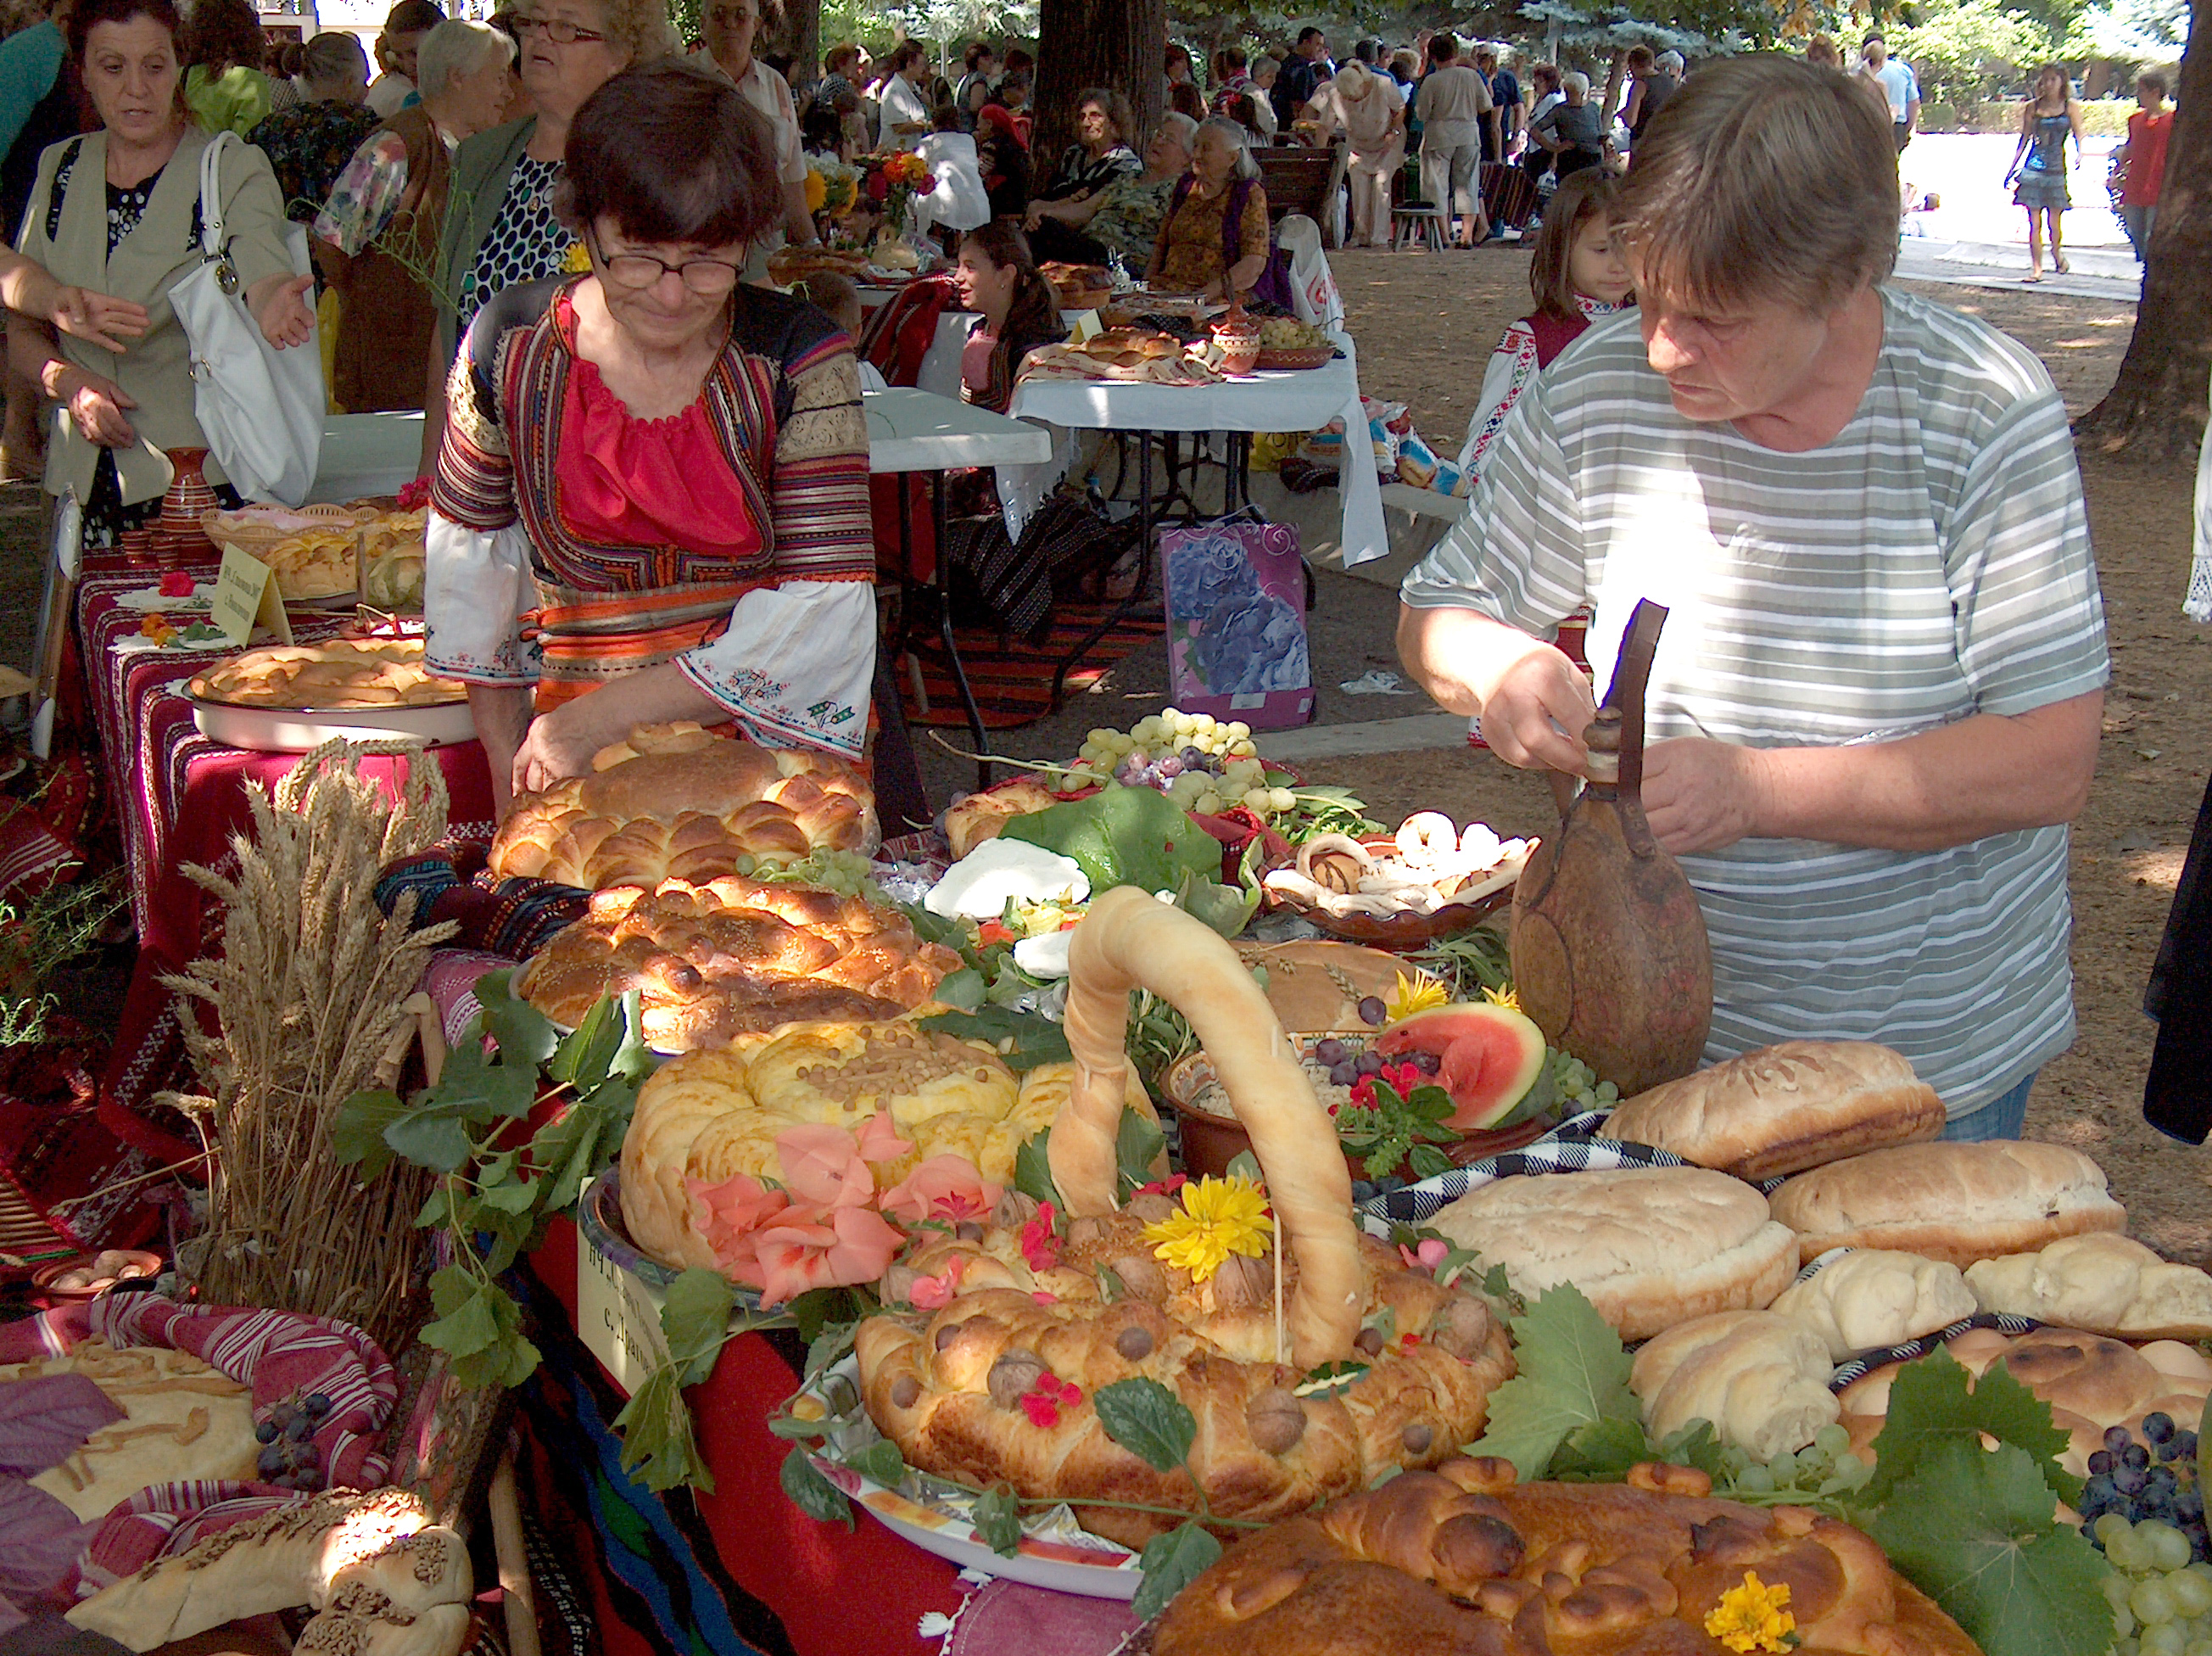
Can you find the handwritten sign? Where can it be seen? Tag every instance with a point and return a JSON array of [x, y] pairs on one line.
[[245, 597], [618, 1316]]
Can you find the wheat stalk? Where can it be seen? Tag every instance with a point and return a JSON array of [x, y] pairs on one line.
[[305, 996]]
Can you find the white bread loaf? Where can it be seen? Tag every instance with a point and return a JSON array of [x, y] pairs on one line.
[[1651, 1246], [1785, 1108], [1761, 1379], [1876, 1297], [2103, 1281], [1958, 1202]]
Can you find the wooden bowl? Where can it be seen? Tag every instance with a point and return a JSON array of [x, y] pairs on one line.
[[140, 1262], [1406, 931], [1296, 357]]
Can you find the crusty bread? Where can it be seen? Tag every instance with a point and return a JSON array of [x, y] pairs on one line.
[[2103, 1281], [1462, 1561], [1875, 1298], [1651, 1246], [678, 801], [1958, 1202], [1761, 1379], [974, 818], [1785, 1108]]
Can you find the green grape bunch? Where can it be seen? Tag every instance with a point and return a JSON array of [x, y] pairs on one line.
[[1811, 1476], [2161, 1598], [1200, 763]]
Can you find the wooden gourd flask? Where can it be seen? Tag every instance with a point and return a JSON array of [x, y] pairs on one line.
[[1610, 958]]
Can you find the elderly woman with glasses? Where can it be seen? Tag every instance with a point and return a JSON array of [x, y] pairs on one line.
[[501, 228], [651, 501], [1214, 241]]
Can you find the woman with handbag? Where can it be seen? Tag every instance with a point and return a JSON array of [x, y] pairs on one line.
[[651, 503], [120, 209]]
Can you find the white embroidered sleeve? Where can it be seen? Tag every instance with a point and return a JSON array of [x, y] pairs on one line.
[[797, 666], [475, 587], [1512, 365]]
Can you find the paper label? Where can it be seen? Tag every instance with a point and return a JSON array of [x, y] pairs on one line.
[[245, 596], [1083, 325], [617, 1317]]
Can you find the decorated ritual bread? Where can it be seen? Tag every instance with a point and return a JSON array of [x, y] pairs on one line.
[[2102, 1281], [1014, 1326], [1872, 1298], [1650, 1246], [733, 956], [676, 801], [703, 1119], [1464, 1560], [1956, 1202], [1760, 1379], [330, 677], [1785, 1108], [975, 818]]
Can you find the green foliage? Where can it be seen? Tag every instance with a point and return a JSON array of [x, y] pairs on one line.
[[1022, 1040], [55, 927], [1398, 1131], [1965, 51], [1171, 1562], [1147, 1420], [1573, 1374], [1935, 1401]]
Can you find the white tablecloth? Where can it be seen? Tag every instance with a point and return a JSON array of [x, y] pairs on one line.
[[913, 431], [1284, 401]]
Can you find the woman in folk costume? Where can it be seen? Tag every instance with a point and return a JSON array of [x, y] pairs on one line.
[[651, 502]]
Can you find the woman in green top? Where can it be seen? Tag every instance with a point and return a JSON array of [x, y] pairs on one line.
[[224, 85]]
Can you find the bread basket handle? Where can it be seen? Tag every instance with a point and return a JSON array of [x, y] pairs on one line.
[[1129, 941]]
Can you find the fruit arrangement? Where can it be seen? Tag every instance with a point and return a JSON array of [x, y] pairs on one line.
[[289, 1457], [1427, 866], [1822, 1469], [1211, 768], [2147, 1481]]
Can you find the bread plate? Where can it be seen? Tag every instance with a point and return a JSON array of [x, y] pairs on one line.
[[298, 729], [1095, 1568]]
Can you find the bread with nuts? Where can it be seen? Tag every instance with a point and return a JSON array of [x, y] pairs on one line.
[[1464, 1560]]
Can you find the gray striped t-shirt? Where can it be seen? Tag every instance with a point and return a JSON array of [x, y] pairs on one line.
[[1930, 563]]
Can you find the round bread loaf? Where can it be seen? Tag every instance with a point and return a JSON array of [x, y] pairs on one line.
[[1785, 1108], [1761, 1379], [1875, 1298], [1651, 1246], [2103, 1281], [1956, 1202], [1462, 1561]]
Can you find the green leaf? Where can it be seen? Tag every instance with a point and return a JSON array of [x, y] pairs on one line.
[[1244, 1165], [811, 1493], [634, 1059], [1427, 1161], [813, 1311], [828, 1348], [1124, 836], [1602, 1452], [1695, 1443], [1330, 1378], [510, 1198], [881, 1461], [522, 1361], [1978, 1535], [583, 1058], [794, 1429], [1573, 1372], [1033, 1170], [471, 1327], [523, 1034], [1930, 1402], [1022, 1040], [437, 1209], [998, 1520], [1137, 1141], [1171, 1562], [659, 1448], [1225, 909], [1147, 1420], [1111, 1286], [357, 1130], [962, 990], [429, 1138], [695, 1320]]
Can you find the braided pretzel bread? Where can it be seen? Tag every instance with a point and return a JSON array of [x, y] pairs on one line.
[[1129, 941], [1465, 1560]]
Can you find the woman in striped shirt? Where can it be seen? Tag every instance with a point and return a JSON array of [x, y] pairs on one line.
[[651, 502], [1876, 704]]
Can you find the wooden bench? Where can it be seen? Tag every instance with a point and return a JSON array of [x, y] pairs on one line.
[[1300, 179]]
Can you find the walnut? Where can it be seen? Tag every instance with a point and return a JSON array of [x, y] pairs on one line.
[[1013, 1374], [1140, 1273], [1462, 1328], [1277, 1420], [1135, 1342], [1151, 1207], [1014, 1210], [1418, 1437], [1242, 1282]]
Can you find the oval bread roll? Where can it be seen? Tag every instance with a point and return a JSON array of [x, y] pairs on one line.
[[1651, 1246], [1958, 1202], [1876, 1297], [1785, 1108], [2104, 1282], [1761, 1379]]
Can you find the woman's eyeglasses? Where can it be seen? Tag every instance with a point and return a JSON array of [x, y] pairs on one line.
[[709, 278], [560, 33]]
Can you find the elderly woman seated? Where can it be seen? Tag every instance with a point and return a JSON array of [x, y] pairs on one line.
[[1125, 217], [1105, 126], [1215, 240]]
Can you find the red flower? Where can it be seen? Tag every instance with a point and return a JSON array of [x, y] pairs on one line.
[[415, 494], [1363, 1093], [879, 186], [176, 584], [1045, 1398], [1044, 1298], [1040, 1247], [1167, 1186]]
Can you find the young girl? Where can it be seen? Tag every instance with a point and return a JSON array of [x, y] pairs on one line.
[[999, 280], [2039, 163], [1577, 276]]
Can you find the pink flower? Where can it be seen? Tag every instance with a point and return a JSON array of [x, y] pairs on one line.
[[935, 1292], [823, 1168], [834, 1248], [1167, 1186], [1430, 1255], [729, 1213], [1047, 1397], [945, 1187], [1043, 1298], [879, 1140]]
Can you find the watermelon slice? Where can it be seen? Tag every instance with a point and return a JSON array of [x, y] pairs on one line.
[[1492, 1055]]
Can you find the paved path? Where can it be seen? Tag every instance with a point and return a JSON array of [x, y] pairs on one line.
[[1976, 237]]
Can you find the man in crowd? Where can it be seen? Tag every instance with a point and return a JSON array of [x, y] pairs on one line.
[[728, 49], [1898, 84], [2141, 161], [1498, 140], [1308, 66]]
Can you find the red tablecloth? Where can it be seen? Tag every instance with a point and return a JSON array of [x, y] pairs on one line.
[[178, 797]]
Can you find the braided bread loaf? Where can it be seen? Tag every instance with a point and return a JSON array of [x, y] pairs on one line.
[[674, 801], [733, 956], [947, 1388], [1465, 1561]]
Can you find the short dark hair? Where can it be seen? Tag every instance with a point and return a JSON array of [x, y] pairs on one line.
[[1310, 33], [945, 118], [2155, 80], [1116, 107], [225, 32], [1443, 46], [1017, 58], [839, 55], [977, 50], [413, 17], [1229, 60], [1591, 193], [1185, 100], [1639, 57], [86, 15], [671, 153]]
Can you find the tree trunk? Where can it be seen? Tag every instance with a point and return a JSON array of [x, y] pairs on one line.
[[2156, 408], [1612, 98], [1121, 45], [799, 36]]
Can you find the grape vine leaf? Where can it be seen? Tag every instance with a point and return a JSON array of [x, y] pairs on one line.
[[357, 1131], [1033, 1170], [1137, 1141], [998, 1520], [523, 1034], [695, 1320], [881, 1461], [1977, 1534], [811, 1493], [1171, 1563], [1573, 1373], [1147, 1420], [658, 1449], [1934, 1400], [1602, 1452]]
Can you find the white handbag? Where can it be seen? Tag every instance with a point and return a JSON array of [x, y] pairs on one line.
[[260, 408]]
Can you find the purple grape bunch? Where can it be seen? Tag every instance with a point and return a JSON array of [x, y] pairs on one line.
[[1345, 1066], [2153, 1479], [1136, 771], [288, 1457]]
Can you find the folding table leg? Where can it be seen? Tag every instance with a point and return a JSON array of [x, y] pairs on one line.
[[952, 646], [1069, 662]]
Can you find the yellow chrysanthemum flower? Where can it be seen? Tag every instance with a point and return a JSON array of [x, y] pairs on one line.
[[1753, 1616], [1410, 997], [1503, 997], [577, 261], [817, 191], [1219, 1217]]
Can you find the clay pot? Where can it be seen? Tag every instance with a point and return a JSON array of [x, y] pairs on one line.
[[177, 536], [1239, 340]]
